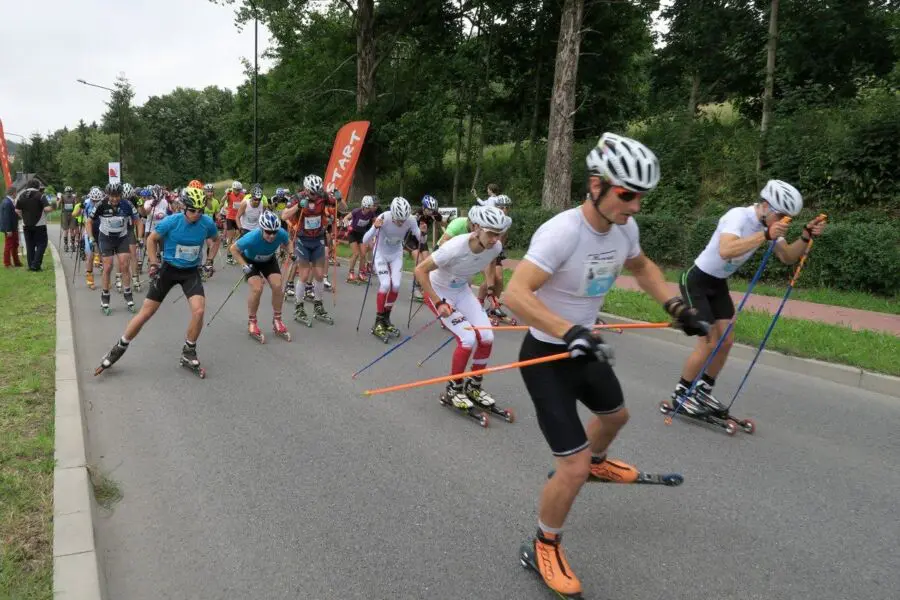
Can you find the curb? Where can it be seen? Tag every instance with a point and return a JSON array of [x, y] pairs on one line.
[[76, 566], [843, 374]]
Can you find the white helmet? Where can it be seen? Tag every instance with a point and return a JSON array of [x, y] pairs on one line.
[[236, 186], [368, 202], [782, 197], [96, 195], [400, 209], [313, 184], [624, 162], [491, 218]]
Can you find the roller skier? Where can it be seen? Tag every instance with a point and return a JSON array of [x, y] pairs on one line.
[[445, 277], [116, 225], [358, 221], [182, 236], [552, 290], [256, 253]]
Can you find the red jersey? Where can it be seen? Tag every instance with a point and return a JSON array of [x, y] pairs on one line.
[[313, 219], [232, 203]]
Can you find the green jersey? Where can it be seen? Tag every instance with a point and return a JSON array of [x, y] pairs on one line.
[[457, 226]]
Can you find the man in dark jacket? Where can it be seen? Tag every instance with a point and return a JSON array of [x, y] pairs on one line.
[[9, 225], [32, 207]]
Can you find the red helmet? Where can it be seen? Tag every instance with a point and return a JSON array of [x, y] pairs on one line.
[[195, 184]]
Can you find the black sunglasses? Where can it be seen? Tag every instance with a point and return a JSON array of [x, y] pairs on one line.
[[192, 210]]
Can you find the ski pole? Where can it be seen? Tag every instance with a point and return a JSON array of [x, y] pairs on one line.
[[604, 326], [77, 260], [709, 359], [368, 281], [765, 339], [409, 337], [412, 294], [334, 257], [513, 365], [439, 348], [226, 299]]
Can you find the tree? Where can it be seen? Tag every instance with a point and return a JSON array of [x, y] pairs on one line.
[[770, 79]]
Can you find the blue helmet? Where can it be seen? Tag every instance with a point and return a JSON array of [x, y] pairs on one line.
[[279, 192], [269, 221], [429, 202]]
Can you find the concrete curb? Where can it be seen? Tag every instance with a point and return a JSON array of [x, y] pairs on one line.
[[76, 566], [852, 376]]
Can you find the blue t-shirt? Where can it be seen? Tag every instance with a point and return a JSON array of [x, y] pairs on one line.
[[255, 248], [183, 241]]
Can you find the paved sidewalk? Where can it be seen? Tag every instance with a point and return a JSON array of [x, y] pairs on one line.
[[797, 309]]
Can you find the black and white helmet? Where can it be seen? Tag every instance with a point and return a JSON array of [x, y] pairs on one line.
[[209, 188], [490, 218], [113, 189], [68, 189], [624, 162], [237, 186], [313, 184], [256, 191], [400, 209], [782, 197], [503, 201], [368, 202], [127, 191], [96, 195]]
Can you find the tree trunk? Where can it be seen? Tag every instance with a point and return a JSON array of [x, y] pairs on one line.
[[770, 83], [695, 91], [558, 167], [458, 165], [479, 157], [364, 179]]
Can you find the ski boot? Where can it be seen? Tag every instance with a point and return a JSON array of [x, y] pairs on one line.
[[129, 300], [321, 314], [289, 292], [327, 284], [308, 293], [689, 407], [114, 354], [455, 397], [300, 314], [380, 330], [351, 277], [255, 333], [391, 329], [104, 302], [118, 283], [230, 260], [477, 395], [89, 280], [279, 328], [545, 550], [497, 315], [364, 274], [190, 361]]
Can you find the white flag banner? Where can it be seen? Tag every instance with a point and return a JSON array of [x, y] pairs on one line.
[[114, 171]]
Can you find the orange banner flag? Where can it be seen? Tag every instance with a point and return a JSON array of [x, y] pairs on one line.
[[4, 157], [344, 156]]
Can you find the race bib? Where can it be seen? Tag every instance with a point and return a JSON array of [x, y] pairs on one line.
[[235, 204], [187, 253], [362, 223], [393, 241], [68, 206], [263, 257], [115, 224], [312, 222], [599, 273], [456, 283]]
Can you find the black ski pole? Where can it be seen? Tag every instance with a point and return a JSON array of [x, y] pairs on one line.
[[227, 298], [368, 281]]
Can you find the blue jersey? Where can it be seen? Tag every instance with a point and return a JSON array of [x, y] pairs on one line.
[[183, 241], [257, 249]]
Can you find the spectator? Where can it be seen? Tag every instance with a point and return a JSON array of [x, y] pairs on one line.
[[9, 225], [32, 207]]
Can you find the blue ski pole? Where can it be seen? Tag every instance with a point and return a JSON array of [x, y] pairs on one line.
[[439, 348], [409, 337]]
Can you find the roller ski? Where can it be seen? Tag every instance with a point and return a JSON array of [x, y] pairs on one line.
[[455, 397], [390, 327], [703, 407], [129, 300], [114, 354], [104, 303], [565, 584], [353, 279], [380, 330], [485, 401], [615, 471], [308, 293], [279, 328], [118, 283], [320, 314], [300, 315], [290, 293], [497, 315], [89, 280], [254, 332], [190, 361]]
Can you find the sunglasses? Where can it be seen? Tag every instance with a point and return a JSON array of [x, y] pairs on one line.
[[269, 232], [626, 195], [192, 210]]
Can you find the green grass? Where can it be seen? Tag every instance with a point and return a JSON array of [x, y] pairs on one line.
[[27, 344], [868, 350], [857, 300]]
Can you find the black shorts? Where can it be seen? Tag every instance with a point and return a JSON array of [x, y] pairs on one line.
[[114, 245], [170, 276], [708, 294], [264, 269], [355, 237], [555, 387], [411, 243], [231, 225]]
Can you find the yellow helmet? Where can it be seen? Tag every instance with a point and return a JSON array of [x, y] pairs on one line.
[[193, 198]]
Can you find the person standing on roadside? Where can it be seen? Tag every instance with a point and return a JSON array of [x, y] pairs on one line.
[[9, 224], [32, 207]]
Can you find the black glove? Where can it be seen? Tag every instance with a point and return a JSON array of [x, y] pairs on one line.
[[688, 318], [153, 272], [584, 343], [140, 244], [209, 269]]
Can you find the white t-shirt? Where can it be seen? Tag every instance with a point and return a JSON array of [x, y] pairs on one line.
[[583, 265], [742, 222], [155, 214], [250, 217], [390, 236], [457, 264], [490, 201]]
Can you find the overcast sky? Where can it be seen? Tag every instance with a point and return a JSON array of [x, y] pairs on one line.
[[169, 43]]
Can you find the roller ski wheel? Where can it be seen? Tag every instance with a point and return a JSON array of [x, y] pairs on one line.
[[195, 369], [106, 310], [472, 412], [475, 394], [381, 333], [111, 357], [131, 308], [748, 425], [527, 560], [254, 332], [280, 330], [729, 425], [506, 414], [300, 315], [320, 314]]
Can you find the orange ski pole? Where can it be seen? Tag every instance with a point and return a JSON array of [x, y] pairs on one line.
[[424, 382]]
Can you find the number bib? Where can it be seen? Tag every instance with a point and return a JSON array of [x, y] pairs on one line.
[[393, 241], [311, 223], [68, 207], [263, 257], [187, 253], [599, 274]]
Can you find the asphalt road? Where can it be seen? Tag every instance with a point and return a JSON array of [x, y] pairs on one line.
[[275, 478]]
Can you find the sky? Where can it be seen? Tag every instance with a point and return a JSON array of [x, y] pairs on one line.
[[171, 43]]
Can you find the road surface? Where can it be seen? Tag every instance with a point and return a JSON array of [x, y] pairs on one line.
[[275, 478]]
